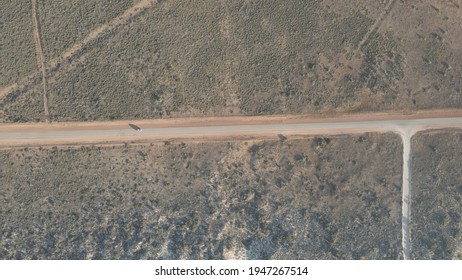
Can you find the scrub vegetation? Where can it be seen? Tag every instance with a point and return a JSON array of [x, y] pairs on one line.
[[17, 49], [65, 23], [310, 198], [436, 222], [217, 58]]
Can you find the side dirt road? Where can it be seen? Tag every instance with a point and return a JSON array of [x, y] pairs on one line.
[[40, 56]]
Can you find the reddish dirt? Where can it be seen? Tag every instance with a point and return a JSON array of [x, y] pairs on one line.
[[218, 121], [234, 120]]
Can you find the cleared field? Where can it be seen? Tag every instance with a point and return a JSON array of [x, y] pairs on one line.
[[17, 57], [317, 198], [436, 221]]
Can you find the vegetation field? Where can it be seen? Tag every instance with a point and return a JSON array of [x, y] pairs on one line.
[[25, 104], [65, 23], [17, 57], [316, 198], [239, 57], [436, 221], [209, 58]]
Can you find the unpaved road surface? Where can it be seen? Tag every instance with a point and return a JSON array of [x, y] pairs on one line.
[[40, 55], [13, 135], [406, 199], [226, 128]]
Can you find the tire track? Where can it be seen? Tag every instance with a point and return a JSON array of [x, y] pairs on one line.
[[103, 29], [6, 90], [40, 57], [376, 24]]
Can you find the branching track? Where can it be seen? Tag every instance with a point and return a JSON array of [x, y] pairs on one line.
[[101, 30], [78, 46]]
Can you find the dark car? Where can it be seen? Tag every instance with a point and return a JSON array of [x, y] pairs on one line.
[[135, 127]]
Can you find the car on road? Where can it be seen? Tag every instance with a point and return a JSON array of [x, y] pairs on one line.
[[135, 127]]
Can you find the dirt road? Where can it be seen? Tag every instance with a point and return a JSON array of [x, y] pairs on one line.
[[13, 135], [40, 55], [406, 197], [225, 128]]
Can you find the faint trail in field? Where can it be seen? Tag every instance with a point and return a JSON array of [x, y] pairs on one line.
[[4, 91], [40, 56], [99, 31], [95, 34], [376, 24], [24, 81]]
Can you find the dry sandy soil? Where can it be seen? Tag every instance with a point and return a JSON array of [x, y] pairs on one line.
[[314, 198]]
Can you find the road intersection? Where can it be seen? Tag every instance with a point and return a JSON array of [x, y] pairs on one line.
[[235, 128]]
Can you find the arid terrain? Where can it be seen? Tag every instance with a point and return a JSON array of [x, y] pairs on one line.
[[436, 224], [17, 43], [175, 58], [312, 198], [263, 129]]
